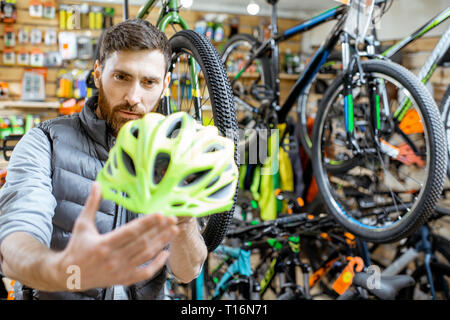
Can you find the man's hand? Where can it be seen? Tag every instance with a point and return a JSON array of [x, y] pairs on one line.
[[115, 257]]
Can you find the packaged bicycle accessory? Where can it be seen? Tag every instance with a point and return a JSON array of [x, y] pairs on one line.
[[171, 165], [80, 88], [9, 56], [85, 50], [64, 84], [5, 129], [52, 59], [209, 33], [31, 121], [36, 36], [10, 36], [36, 8], [4, 90], [51, 37], [23, 57], [9, 11], [37, 57], [23, 35], [73, 17], [16, 124], [49, 10], [33, 84], [219, 32], [62, 16], [108, 17], [84, 16], [68, 45], [96, 18]]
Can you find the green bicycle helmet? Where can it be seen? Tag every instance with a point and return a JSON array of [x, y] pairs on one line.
[[171, 165]]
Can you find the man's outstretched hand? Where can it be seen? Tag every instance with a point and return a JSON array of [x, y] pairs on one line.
[[116, 257]]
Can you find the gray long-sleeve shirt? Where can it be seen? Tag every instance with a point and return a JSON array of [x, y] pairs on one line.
[[26, 200]]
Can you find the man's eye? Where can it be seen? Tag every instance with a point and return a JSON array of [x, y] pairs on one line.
[[149, 83], [119, 77]]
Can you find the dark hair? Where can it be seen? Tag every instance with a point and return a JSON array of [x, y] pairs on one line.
[[134, 34]]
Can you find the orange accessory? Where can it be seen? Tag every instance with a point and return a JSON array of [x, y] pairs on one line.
[[346, 277], [411, 123]]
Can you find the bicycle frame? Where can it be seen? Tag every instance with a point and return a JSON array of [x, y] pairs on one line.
[[436, 55], [169, 14], [321, 55]]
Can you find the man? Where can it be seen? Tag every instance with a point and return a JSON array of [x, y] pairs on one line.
[[62, 241]]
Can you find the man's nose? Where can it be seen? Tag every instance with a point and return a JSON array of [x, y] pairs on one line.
[[134, 94]]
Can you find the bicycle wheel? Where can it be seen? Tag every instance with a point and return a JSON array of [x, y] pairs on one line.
[[443, 206], [445, 110], [200, 87], [392, 184]]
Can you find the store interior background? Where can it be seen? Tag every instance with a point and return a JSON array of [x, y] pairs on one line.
[[404, 17]]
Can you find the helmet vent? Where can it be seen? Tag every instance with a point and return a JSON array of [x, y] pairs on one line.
[[194, 178], [128, 162], [213, 182], [115, 160], [174, 129], [108, 168], [214, 148], [162, 162], [223, 192], [135, 132], [177, 204]]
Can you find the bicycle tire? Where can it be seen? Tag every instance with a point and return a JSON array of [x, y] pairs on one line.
[[428, 195], [213, 227], [445, 110]]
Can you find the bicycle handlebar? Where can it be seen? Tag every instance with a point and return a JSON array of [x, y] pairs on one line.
[[283, 222]]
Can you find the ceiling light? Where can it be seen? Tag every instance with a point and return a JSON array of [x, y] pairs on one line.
[[253, 8]]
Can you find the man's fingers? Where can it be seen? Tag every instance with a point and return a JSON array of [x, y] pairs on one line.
[[93, 201], [149, 247], [129, 232], [149, 271]]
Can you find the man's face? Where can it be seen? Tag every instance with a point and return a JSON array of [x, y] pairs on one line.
[[130, 84]]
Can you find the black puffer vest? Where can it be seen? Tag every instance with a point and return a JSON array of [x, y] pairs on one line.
[[80, 145]]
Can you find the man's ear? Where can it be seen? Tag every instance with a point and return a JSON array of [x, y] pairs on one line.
[[97, 73]]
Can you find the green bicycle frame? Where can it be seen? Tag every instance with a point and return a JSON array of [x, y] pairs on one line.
[[430, 65]]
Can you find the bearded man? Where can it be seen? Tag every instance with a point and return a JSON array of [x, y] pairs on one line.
[[58, 238]]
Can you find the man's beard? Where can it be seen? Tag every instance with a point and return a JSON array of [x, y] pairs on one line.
[[111, 114]]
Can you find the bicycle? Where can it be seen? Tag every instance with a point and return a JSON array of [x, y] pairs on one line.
[[360, 127], [278, 246], [430, 253], [374, 141]]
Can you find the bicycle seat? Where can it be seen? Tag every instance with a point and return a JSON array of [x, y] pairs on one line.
[[272, 1], [389, 286]]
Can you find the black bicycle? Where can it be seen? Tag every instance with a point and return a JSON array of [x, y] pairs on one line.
[[378, 148]]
